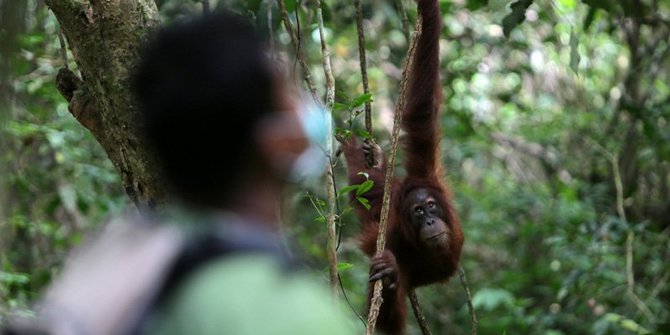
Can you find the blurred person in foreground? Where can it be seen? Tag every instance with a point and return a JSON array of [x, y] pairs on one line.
[[229, 133]]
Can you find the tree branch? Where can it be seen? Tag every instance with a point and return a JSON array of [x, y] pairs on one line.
[[330, 181], [370, 159], [630, 239], [418, 313], [377, 300], [471, 308], [364, 66], [294, 35], [403, 17]]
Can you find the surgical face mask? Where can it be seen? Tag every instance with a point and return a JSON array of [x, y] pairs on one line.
[[316, 125]]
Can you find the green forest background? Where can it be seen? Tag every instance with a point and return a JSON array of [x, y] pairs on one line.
[[556, 140]]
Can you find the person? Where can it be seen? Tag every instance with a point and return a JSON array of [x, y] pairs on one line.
[[228, 132]]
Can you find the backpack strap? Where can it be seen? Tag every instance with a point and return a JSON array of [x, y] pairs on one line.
[[213, 241], [213, 244]]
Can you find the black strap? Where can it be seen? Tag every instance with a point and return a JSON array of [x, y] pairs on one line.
[[207, 245], [213, 245]]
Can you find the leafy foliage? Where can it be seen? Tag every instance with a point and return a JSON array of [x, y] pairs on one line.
[[57, 181]]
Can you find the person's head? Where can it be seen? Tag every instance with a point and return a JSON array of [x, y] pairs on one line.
[[215, 109]]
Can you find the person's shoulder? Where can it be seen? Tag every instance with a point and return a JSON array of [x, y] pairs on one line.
[[252, 294]]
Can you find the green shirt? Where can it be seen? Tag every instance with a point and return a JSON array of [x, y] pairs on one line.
[[249, 294]]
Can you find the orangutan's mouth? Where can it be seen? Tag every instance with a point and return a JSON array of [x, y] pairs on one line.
[[435, 237]]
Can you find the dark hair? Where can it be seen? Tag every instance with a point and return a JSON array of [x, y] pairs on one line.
[[202, 86]]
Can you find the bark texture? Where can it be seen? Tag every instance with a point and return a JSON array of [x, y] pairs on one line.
[[105, 37]]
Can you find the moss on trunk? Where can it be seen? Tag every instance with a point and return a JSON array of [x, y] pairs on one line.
[[105, 37]]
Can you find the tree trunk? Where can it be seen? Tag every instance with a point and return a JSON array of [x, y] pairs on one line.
[[105, 37]]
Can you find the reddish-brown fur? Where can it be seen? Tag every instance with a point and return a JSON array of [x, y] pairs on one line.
[[417, 265]]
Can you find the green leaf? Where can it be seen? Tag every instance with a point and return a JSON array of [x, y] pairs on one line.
[[360, 100], [344, 266], [476, 4], [633, 326], [364, 202], [611, 317], [516, 17], [290, 5], [338, 107], [364, 187], [349, 188], [362, 133], [343, 132], [14, 278], [626, 323], [570, 4]]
